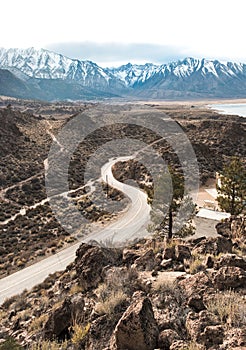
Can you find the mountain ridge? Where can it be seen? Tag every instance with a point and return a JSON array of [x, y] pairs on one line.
[[190, 77]]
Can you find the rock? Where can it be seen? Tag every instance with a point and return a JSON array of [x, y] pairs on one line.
[[137, 328], [235, 339], [180, 344], [179, 267], [209, 262], [146, 261], [224, 229], [58, 323], [169, 253], [100, 332], [90, 263], [231, 260], [212, 335], [195, 302], [196, 323], [229, 277], [166, 338], [197, 284], [182, 252], [129, 256], [214, 246], [166, 263]]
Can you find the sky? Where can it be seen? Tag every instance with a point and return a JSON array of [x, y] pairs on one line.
[[111, 33]]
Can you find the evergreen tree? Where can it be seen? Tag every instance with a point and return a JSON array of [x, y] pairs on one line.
[[232, 189], [169, 196]]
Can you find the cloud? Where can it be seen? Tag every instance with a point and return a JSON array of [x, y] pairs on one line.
[[113, 53]]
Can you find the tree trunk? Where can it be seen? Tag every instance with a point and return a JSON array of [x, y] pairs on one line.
[[170, 224]]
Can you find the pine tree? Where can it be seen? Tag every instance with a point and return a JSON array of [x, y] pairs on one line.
[[232, 189], [169, 193]]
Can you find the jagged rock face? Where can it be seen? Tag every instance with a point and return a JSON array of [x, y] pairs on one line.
[[233, 227], [146, 261], [90, 262], [58, 323], [196, 323], [231, 260], [166, 338], [213, 245], [197, 284], [182, 252], [229, 277], [137, 328]]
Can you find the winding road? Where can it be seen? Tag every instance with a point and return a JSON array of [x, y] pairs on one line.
[[130, 225]]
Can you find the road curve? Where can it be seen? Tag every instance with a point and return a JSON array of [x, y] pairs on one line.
[[129, 226]]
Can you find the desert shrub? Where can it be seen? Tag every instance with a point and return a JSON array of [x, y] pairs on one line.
[[10, 344], [196, 265], [164, 286], [38, 323], [79, 333], [109, 302], [229, 307]]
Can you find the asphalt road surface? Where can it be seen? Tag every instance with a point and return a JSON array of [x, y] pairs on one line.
[[130, 225]]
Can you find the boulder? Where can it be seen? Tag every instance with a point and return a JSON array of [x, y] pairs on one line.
[[129, 256], [231, 260], [90, 263], [137, 328], [59, 321], [196, 323], [195, 302], [166, 338], [212, 335], [169, 253], [229, 277], [166, 263], [197, 284], [214, 246], [146, 262], [182, 252]]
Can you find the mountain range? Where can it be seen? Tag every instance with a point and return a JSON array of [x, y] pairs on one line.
[[46, 75]]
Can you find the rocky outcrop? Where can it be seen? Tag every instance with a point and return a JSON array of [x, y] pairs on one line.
[[197, 323], [59, 321], [197, 284], [229, 277], [146, 261], [90, 262], [166, 338], [214, 246], [137, 328], [182, 252], [231, 260]]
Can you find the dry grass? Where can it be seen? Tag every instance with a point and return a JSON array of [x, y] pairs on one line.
[[108, 303], [38, 323], [230, 307], [80, 333], [75, 289], [196, 265]]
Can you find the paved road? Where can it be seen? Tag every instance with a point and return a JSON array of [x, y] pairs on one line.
[[127, 227]]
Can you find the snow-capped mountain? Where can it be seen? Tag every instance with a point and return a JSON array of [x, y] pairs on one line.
[[44, 64], [181, 79]]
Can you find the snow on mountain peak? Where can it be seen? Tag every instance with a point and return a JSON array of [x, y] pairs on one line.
[[44, 64]]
